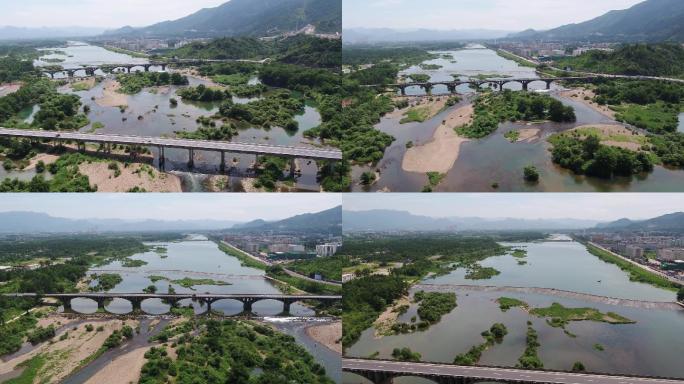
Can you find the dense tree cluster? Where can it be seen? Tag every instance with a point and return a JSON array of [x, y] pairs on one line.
[[135, 82], [12, 68], [492, 108], [229, 352], [588, 156], [631, 59], [203, 93]]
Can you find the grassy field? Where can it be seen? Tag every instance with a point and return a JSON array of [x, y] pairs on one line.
[[657, 118], [416, 114], [245, 259]]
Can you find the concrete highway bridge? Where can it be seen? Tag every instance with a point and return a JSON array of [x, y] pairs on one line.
[[86, 71], [384, 372], [498, 83], [191, 145], [136, 299]]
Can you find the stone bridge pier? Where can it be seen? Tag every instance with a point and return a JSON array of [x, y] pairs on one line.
[[136, 302], [247, 303], [428, 89], [402, 88]]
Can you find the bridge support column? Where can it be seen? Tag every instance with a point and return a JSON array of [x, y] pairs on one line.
[[293, 167], [247, 304], [66, 304], [525, 85], [403, 91], [163, 67], [428, 89], [137, 304], [191, 160], [101, 305], [162, 158], [286, 306], [222, 168], [451, 88], [548, 84]]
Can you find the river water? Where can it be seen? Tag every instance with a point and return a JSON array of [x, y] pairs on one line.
[[150, 113], [494, 159], [653, 346]]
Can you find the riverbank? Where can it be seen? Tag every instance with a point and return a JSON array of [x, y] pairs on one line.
[[111, 96], [123, 179], [614, 135], [441, 153], [586, 97], [329, 335]]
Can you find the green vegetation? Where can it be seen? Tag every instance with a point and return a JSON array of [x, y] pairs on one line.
[[363, 299], [203, 93], [187, 282], [401, 56], [66, 177], [245, 260], [578, 367], [330, 268], [635, 273], [405, 354], [599, 347], [309, 286], [519, 253], [492, 108], [477, 272], [31, 368], [433, 305], [665, 60], [434, 178], [560, 316], [517, 59], [530, 174], [680, 294], [135, 82], [530, 358], [416, 114], [41, 334], [506, 303], [430, 67], [132, 263], [276, 109], [229, 352], [588, 156], [658, 117], [419, 77], [493, 335], [105, 281], [512, 136]]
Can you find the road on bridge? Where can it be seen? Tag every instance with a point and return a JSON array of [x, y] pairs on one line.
[[222, 146], [495, 374]]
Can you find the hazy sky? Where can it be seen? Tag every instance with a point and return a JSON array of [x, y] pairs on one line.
[[509, 15], [593, 206], [96, 13], [192, 206]]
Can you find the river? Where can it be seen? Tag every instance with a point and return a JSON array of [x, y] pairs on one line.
[[199, 258], [494, 159], [652, 346], [150, 113]]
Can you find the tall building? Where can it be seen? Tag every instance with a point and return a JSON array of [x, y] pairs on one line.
[[328, 249]]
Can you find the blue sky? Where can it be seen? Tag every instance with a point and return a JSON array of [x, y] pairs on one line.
[[96, 13], [191, 206], [594, 206], [510, 15]]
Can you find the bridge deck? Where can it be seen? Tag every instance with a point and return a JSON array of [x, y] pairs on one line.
[[175, 296], [397, 369], [222, 146]]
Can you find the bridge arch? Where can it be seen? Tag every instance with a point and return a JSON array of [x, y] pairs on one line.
[[228, 307]]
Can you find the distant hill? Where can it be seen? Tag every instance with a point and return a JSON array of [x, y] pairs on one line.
[[389, 220], [670, 222], [32, 222], [21, 33], [254, 18], [651, 20], [328, 221], [631, 59], [386, 35]]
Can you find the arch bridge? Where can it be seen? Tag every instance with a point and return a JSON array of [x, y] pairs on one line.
[[496, 83], [136, 299], [384, 372]]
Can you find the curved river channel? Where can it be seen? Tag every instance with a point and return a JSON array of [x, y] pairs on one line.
[[653, 346], [494, 159]]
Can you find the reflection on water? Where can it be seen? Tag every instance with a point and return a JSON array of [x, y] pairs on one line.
[[651, 347]]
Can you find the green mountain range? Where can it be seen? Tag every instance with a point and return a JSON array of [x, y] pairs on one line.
[[651, 20], [255, 18]]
